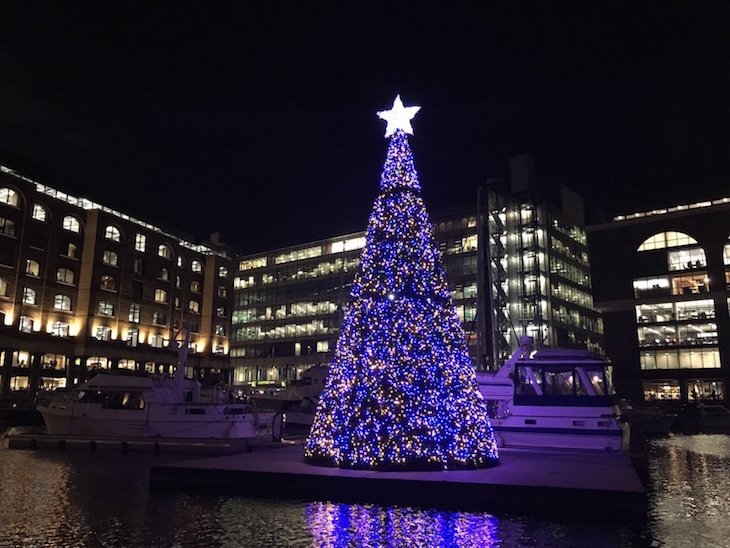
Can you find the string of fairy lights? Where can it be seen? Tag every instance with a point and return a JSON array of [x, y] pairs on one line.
[[401, 392]]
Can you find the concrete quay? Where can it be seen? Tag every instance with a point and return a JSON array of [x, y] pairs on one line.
[[603, 484]]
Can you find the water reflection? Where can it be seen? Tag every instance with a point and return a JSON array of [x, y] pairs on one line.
[[334, 525]]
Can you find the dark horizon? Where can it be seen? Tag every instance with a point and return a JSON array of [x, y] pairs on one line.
[[260, 123]]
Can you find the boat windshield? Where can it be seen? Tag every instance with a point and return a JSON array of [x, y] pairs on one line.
[[564, 380]]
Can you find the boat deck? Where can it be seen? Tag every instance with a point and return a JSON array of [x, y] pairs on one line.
[[524, 480]]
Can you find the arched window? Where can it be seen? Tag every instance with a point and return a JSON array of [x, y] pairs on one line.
[[158, 318], [160, 296], [196, 266], [108, 283], [71, 224], [40, 213], [29, 296], [164, 251], [65, 276], [112, 234], [194, 306], [61, 302], [32, 268], [663, 240], [8, 196]]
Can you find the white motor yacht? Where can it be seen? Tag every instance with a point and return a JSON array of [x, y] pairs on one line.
[[553, 398]]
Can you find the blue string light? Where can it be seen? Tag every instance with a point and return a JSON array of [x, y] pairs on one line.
[[401, 392]]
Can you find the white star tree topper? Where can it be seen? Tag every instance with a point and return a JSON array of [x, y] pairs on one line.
[[398, 117]]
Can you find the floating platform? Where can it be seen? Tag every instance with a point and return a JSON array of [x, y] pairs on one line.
[[524, 481], [192, 447]]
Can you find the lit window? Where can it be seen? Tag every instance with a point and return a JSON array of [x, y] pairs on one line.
[[60, 329], [194, 306], [65, 276], [164, 251], [195, 286], [138, 266], [25, 324], [71, 224], [156, 340], [220, 330], [32, 268], [323, 346], [158, 318], [105, 308], [196, 266], [160, 296], [222, 272], [3, 287], [164, 274], [135, 312], [61, 302], [140, 242], [103, 333], [108, 283], [7, 227], [112, 233], [180, 262], [222, 291], [220, 311], [666, 239], [110, 258], [8, 196], [29, 296], [71, 250], [40, 213]]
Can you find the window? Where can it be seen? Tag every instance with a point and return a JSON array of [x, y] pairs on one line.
[[164, 251], [110, 258], [135, 311], [220, 330], [71, 250], [164, 274], [140, 242], [222, 291], [32, 268], [158, 318], [25, 324], [132, 339], [138, 266], [3, 287], [112, 234], [180, 262], [195, 287], [105, 308], [156, 340], [222, 272], [220, 311], [160, 296], [323, 346], [177, 303], [194, 327], [661, 390], [40, 213], [6, 257], [61, 302], [108, 283], [194, 306], [137, 290], [695, 358], [664, 240], [71, 224], [8, 196], [29, 296], [103, 333], [178, 282], [60, 329], [7, 227], [196, 266], [65, 276]]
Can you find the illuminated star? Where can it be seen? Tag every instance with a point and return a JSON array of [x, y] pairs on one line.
[[398, 117]]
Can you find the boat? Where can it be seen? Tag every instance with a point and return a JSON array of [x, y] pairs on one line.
[[299, 399], [113, 404], [702, 418], [553, 399]]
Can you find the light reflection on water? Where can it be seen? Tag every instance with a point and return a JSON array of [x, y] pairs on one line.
[[101, 499]]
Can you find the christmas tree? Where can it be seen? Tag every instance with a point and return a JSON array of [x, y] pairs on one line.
[[401, 391]]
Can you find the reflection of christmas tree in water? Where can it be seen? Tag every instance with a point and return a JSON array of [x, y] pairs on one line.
[[401, 392]]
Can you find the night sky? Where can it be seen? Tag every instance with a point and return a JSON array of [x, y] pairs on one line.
[[260, 122]]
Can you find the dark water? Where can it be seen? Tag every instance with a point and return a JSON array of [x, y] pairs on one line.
[[75, 499]]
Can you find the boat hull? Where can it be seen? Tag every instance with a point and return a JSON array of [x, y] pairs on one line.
[[170, 421]]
